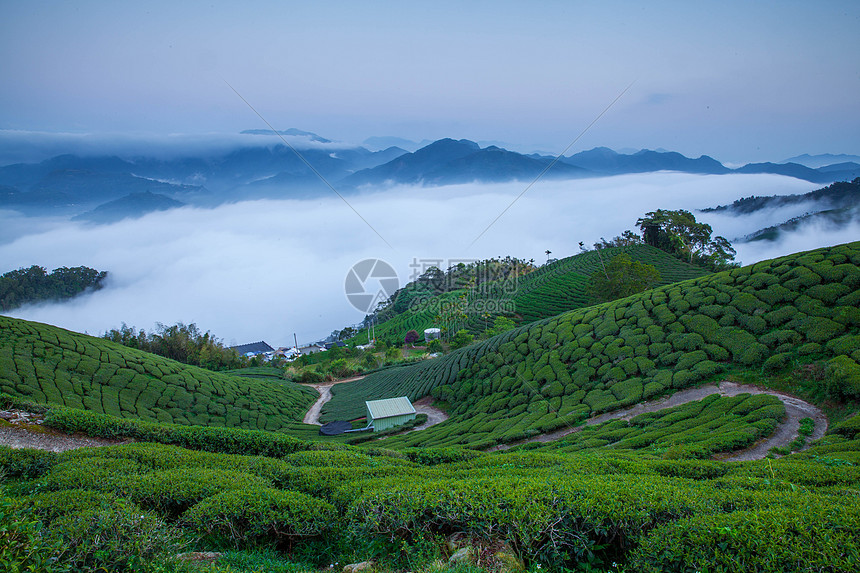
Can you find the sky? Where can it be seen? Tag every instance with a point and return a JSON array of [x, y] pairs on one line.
[[264, 270], [739, 81]]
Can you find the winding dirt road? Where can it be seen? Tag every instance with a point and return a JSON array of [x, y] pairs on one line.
[[324, 388], [795, 409]]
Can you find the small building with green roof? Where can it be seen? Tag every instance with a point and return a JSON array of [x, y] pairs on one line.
[[388, 413]]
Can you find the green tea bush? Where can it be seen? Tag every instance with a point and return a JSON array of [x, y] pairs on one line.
[[806, 538], [434, 456], [843, 377], [849, 428], [261, 514], [690, 469], [26, 545], [25, 463], [48, 506], [777, 362], [171, 492], [819, 329], [121, 538], [102, 474]]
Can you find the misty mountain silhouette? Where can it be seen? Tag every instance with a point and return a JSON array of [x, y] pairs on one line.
[[74, 184], [604, 160], [449, 161], [133, 206]]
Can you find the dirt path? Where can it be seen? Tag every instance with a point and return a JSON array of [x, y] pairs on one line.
[[324, 388], [434, 415], [795, 409], [25, 430]]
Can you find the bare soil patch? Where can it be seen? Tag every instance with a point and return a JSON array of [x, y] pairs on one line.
[[19, 429], [434, 415]]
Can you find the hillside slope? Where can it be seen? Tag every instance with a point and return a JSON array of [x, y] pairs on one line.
[[550, 290], [799, 309], [51, 365]]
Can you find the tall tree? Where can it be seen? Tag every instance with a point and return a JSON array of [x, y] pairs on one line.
[[679, 233], [35, 284]]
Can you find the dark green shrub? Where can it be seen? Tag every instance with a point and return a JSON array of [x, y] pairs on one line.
[[683, 379], [828, 293], [25, 463], [777, 362], [213, 439], [809, 348], [843, 377], [48, 506], [690, 359], [849, 428], [780, 316], [670, 358], [755, 353], [819, 329], [748, 304], [844, 344], [706, 368], [716, 352], [754, 324]]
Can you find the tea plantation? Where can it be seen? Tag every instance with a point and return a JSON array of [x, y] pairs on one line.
[[133, 507], [647, 494], [548, 291], [775, 315], [52, 365], [695, 430]]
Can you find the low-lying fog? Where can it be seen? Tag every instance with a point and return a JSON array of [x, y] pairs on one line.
[[263, 270]]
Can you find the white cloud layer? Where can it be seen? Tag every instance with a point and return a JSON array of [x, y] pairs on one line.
[[263, 270]]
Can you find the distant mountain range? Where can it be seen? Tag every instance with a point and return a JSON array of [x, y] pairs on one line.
[[604, 161], [816, 161], [77, 185], [447, 162]]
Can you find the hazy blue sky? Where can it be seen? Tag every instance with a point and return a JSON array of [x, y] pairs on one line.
[[740, 81]]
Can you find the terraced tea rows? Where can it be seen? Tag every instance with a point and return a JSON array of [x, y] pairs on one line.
[[548, 291], [803, 308], [52, 365], [563, 286], [698, 429]]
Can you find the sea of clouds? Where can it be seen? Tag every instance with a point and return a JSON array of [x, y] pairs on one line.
[[264, 270]]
